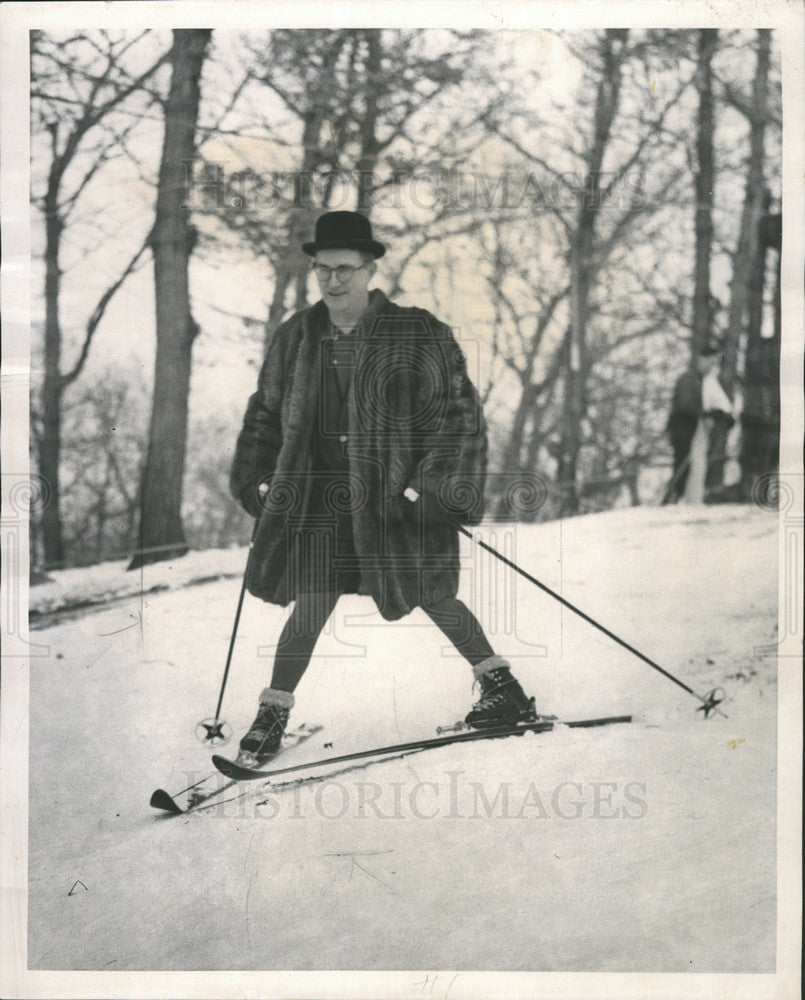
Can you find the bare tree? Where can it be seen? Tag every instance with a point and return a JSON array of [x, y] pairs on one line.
[[76, 85], [527, 312], [608, 226], [760, 417], [746, 250], [308, 86], [705, 180], [172, 240], [613, 51], [748, 254], [105, 437], [353, 96]]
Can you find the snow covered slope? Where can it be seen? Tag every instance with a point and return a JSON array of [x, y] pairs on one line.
[[641, 847]]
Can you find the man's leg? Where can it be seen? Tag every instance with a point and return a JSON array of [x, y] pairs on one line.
[[676, 485], [717, 452], [298, 638], [683, 471], [502, 699], [462, 628], [294, 651]]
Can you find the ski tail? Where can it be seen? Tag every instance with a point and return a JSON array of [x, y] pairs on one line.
[[208, 787]]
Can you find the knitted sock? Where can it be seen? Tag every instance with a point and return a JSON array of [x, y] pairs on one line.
[[271, 696], [479, 670]]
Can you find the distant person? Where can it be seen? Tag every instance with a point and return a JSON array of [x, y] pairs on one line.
[[699, 403], [363, 447]]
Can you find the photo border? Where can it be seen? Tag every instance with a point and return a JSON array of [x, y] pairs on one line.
[[16, 19]]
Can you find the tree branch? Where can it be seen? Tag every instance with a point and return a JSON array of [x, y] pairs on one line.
[[97, 316]]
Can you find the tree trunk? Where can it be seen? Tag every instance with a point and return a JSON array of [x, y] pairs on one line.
[[746, 251], [573, 408], [292, 265], [50, 444], [760, 419], [702, 309], [172, 239], [367, 159], [613, 45]]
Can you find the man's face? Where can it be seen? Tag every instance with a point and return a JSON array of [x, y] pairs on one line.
[[348, 294], [707, 363]]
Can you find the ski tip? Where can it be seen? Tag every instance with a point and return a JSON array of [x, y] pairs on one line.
[[162, 800]]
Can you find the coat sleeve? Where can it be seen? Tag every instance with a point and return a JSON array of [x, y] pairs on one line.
[[451, 470], [687, 397], [260, 438]]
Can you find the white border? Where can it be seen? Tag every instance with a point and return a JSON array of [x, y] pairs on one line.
[[15, 21]]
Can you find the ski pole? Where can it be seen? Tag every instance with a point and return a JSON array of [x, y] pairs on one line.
[[709, 702], [213, 728]]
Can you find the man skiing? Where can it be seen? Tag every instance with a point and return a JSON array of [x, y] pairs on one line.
[[362, 449]]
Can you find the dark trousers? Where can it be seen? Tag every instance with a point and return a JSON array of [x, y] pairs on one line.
[[679, 478], [682, 430]]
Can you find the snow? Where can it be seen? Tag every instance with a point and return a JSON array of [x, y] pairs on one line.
[[649, 846], [107, 581]]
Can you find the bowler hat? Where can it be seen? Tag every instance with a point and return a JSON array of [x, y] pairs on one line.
[[344, 231]]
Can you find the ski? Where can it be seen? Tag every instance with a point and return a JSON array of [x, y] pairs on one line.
[[236, 772], [208, 787]]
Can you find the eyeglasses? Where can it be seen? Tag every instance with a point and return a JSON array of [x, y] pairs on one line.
[[344, 272]]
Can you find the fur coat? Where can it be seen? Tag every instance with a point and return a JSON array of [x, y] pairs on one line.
[[414, 420]]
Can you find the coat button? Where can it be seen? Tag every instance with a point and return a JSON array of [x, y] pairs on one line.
[[343, 438]]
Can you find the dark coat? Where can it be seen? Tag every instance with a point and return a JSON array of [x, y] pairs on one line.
[[686, 408], [414, 419]]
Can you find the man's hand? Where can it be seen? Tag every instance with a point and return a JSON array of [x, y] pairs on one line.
[[252, 501]]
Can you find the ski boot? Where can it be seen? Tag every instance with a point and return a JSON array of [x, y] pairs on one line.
[[264, 738], [503, 702]]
